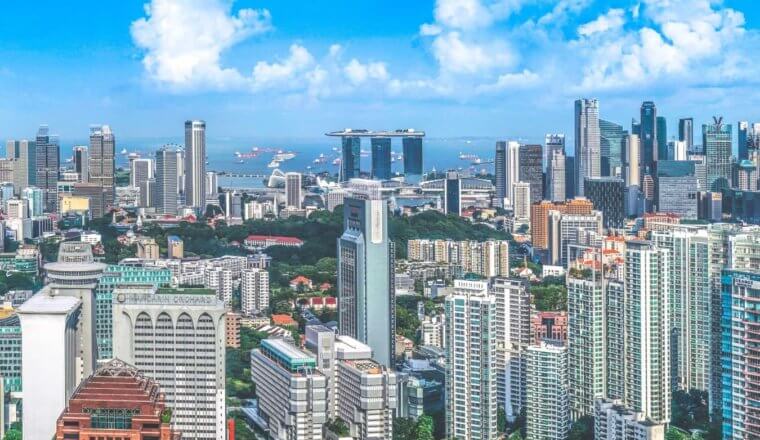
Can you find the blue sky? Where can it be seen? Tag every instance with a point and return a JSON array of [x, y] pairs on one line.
[[506, 68]]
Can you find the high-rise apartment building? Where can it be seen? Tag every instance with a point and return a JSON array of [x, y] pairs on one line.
[[471, 385], [613, 421], [522, 193], [413, 165], [102, 161], [381, 158], [531, 170], [547, 412], [513, 336], [47, 163], [612, 140], [587, 142], [50, 359], [254, 296], [648, 330], [195, 164], [716, 142], [165, 200], [648, 135], [293, 190], [220, 280], [366, 302], [177, 337]]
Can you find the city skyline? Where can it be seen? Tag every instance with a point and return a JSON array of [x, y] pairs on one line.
[[453, 68]]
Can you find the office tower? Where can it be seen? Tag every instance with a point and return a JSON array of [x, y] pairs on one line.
[[103, 161], [82, 163], [569, 177], [291, 391], [513, 336], [180, 175], [676, 188], [76, 274], [686, 132], [233, 204], [50, 360], [612, 139], [587, 142], [647, 330], [552, 143], [742, 132], [521, 200], [6, 170], [96, 196], [547, 413], [716, 141], [381, 158], [293, 190], [11, 149], [531, 171], [10, 346], [680, 150], [334, 198], [34, 201], [500, 171], [566, 229], [254, 294], [212, 184], [366, 303], [452, 194], [555, 177], [648, 135], [140, 171], [159, 332], [513, 167], [586, 342], [412, 159], [166, 181], [662, 139], [700, 170], [539, 217], [613, 421], [689, 306], [471, 388], [195, 164], [607, 195], [746, 176], [740, 389], [23, 153], [47, 164], [117, 400], [350, 164]]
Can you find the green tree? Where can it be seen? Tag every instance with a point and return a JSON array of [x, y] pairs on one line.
[[501, 419], [424, 428], [404, 428], [582, 429], [676, 434]]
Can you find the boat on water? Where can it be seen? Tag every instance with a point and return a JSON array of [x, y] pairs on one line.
[[133, 155], [336, 161], [124, 151], [273, 164], [282, 156], [470, 157]]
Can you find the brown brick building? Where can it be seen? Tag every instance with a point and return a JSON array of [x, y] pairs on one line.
[[539, 217], [116, 402]]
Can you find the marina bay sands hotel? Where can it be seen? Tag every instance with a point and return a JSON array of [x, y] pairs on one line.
[[381, 153]]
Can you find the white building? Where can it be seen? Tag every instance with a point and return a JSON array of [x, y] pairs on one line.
[[471, 396], [254, 296], [91, 238], [177, 337], [433, 331], [334, 198], [547, 411], [220, 279], [50, 359], [521, 201], [195, 164], [613, 421], [292, 392], [17, 209]]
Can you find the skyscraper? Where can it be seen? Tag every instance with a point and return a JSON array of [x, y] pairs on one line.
[[676, 188], [412, 159], [648, 135], [686, 132], [587, 142], [647, 330], [293, 190], [513, 167], [471, 386], [254, 291], [161, 332], [102, 161], [47, 164], [607, 195], [633, 160], [716, 141], [521, 200], [611, 147], [500, 171], [742, 132], [552, 142], [662, 138], [531, 170], [350, 164], [165, 200], [555, 177], [140, 171], [452, 194], [547, 414], [381, 158], [82, 163], [34, 201], [195, 164], [366, 300]]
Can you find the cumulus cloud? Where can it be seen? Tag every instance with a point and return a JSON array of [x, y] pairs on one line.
[[267, 74], [613, 19], [183, 40], [454, 54], [358, 73]]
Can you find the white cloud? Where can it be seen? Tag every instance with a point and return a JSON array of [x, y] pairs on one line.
[[267, 74], [562, 9], [183, 40], [358, 73], [429, 30], [511, 81], [613, 19], [459, 56]]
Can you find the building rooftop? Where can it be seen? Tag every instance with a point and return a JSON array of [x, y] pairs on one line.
[[288, 355], [360, 132], [185, 291], [366, 366], [43, 303]]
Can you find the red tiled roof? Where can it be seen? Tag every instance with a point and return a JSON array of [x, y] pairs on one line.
[[284, 320]]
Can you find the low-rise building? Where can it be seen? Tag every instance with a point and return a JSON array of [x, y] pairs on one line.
[[613, 421]]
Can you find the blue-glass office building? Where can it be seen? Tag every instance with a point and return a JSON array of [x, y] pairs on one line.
[[381, 158]]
